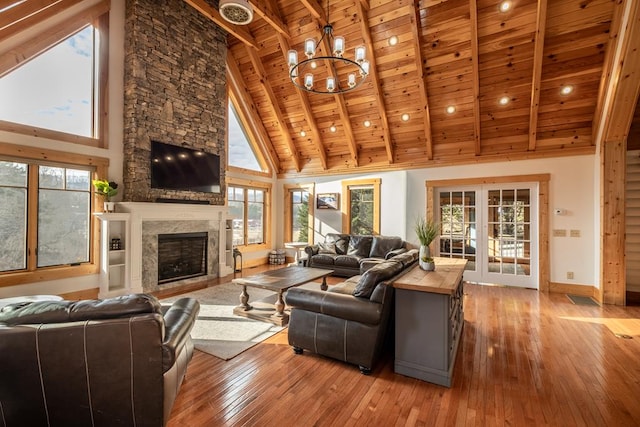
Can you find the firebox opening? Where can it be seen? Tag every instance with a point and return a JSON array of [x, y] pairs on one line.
[[181, 256]]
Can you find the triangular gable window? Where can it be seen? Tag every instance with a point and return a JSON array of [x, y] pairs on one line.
[[241, 151], [55, 90]]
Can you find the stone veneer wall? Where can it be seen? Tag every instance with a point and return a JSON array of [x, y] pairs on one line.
[[175, 91]]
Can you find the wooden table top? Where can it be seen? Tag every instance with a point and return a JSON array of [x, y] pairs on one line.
[[443, 280], [283, 278]]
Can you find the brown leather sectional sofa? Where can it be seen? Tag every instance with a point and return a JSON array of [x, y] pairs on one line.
[[112, 362], [349, 254], [349, 321]]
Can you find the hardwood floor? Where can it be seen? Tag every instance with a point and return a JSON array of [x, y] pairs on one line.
[[526, 359]]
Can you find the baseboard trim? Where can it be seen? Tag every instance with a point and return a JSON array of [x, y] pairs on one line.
[[569, 288]]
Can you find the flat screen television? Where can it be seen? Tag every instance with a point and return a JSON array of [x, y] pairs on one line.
[[178, 168]]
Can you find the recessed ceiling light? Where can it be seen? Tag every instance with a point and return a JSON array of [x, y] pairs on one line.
[[451, 109], [303, 133], [314, 65], [505, 6], [332, 128], [393, 40], [566, 90], [405, 117], [367, 123], [504, 100]]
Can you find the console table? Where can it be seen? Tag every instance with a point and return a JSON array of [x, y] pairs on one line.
[[429, 319]]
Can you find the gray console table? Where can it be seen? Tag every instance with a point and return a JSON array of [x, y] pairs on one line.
[[429, 319]]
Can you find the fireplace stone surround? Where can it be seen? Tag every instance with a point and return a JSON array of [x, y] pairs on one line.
[[148, 220]]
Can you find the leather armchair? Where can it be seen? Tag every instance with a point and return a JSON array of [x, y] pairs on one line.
[[112, 362], [350, 320]]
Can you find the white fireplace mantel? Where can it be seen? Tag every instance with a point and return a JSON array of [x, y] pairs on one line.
[[141, 212]]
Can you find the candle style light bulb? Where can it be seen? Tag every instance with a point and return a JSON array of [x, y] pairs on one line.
[[351, 80], [310, 47], [365, 68], [331, 84], [293, 57], [308, 81], [338, 46], [360, 54]]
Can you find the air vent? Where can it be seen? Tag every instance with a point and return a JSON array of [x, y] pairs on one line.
[[237, 12]]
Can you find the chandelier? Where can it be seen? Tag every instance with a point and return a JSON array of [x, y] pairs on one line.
[[306, 75]]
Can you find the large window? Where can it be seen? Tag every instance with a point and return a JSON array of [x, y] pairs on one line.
[[55, 202], [299, 213], [248, 206], [362, 206], [57, 92], [242, 152]]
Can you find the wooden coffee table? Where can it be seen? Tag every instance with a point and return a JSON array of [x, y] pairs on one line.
[[279, 281]]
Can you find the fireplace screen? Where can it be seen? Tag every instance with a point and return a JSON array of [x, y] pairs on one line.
[[181, 256]]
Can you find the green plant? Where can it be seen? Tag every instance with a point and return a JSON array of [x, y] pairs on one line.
[[426, 231], [427, 259], [104, 188]]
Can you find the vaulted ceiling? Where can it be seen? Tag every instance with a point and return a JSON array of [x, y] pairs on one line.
[[461, 53]]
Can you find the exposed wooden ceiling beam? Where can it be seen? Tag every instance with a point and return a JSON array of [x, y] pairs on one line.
[[475, 63], [538, 50], [422, 78], [373, 75], [265, 10], [275, 106], [28, 14], [316, 10], [365, 4], [210, 12], [244, 102], [625, 86]]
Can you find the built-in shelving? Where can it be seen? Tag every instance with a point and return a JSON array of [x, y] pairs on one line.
[[114, 254]]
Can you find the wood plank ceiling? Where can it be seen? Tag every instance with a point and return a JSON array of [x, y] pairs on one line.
[[464, 54]]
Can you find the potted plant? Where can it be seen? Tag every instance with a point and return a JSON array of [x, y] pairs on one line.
[[426, 232], [106, 189]]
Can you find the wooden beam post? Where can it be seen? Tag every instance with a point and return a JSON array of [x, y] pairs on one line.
[[541, 25]]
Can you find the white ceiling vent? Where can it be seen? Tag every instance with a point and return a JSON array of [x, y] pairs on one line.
[[237, 12]]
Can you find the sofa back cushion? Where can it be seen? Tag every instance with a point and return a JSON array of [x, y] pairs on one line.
[[374, 275], [341, 242], [71, 311], [360, 246], [383, 244]]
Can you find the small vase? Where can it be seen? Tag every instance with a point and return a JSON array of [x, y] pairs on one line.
[[109, 207], [425, 253]]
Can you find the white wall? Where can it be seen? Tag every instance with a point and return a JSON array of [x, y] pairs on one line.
[[403, 198]]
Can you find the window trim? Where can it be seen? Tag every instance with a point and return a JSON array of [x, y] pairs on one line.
[[346, 202], [288, 203], [98, 16], [38, 274], [257, 185]]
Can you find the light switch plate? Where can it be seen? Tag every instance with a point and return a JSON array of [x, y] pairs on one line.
[[574, 233], [559, 233]]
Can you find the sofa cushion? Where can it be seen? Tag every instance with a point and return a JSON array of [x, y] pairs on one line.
[[347, 287], [324, 259], [327, 248], [350, 261], [373, 276], [341, 241], [407, 258], [383, 244], [72, 311], [360, 245]]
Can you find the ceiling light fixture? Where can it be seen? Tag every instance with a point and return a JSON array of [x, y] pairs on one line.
[[303, 133], [504, 100], [332, 128], [451, 109], [237, 12], [505, 6], [566, 90], [393, 40], [367, 123], [405, 117], [357, 69]]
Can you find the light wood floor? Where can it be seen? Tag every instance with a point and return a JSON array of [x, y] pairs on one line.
[[526, 359]]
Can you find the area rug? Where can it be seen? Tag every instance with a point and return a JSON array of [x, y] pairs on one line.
[[217, 330], [581, 300]]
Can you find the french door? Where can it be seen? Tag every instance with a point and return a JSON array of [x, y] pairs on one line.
[[494, 228]]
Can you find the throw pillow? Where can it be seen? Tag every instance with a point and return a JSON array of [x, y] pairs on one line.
[[327, 248], [370, 279], [360, 246], [383, 244], [340, 240]]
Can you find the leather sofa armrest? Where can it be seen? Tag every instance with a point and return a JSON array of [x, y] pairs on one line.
[[342, 306], [312, 250], [178, 322], [395, 252]]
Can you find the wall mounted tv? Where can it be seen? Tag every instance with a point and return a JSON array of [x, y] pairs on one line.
[[179, 168]]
